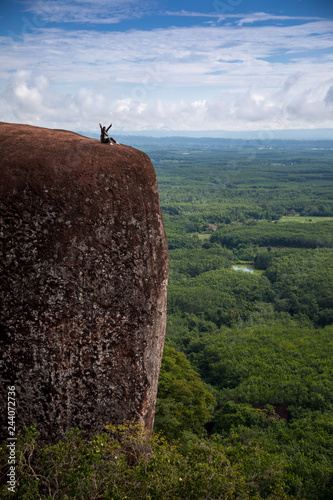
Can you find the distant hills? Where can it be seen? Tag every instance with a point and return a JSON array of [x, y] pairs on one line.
[[297, 134], [285, 139]]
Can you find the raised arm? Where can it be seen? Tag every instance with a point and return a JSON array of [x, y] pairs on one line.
[[100, 126], [109, 127]]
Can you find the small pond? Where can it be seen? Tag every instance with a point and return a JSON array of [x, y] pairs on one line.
[[243, 267]]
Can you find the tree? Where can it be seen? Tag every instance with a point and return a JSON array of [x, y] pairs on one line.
[[183, 402]]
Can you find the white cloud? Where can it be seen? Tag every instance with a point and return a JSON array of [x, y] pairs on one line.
[[184, 78], [86, 11], [187, 13], [263, 16], [184, 56], [33, 101], [255, 17], [329, 96]]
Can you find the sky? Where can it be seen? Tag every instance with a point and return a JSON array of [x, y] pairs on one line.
[[157, 65]]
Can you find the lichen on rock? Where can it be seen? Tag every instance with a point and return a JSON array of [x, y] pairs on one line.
[[85, 266]]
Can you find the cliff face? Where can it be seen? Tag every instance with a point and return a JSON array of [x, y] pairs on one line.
[[85, 268]]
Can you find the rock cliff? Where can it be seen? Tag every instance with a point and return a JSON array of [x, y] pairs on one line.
[[85, 265]]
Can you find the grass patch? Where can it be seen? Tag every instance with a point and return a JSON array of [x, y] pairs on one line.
[[303, 219]]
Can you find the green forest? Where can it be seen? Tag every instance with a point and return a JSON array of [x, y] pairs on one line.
[[245, 400]]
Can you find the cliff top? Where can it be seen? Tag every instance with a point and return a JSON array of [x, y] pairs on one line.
[[62, 150]]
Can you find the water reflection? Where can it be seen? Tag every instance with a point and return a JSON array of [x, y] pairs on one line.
[[247, 269]]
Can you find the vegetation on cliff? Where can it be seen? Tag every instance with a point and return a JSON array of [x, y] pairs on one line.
[[122, 463]]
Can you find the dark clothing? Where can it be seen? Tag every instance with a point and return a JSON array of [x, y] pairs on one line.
[[104, 137]]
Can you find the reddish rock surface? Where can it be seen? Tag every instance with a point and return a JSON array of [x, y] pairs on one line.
[[85, 265]]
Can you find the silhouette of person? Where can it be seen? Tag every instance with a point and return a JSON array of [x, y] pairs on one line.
[[104, 137]]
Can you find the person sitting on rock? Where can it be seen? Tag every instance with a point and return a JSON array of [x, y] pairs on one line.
[[104, 137]]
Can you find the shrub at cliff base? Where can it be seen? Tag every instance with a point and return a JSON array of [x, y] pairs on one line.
[[123, 463]]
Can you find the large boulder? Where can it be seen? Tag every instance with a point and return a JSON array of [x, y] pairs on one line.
[[85, 267]]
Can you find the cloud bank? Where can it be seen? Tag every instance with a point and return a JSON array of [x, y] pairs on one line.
[[231, 76]]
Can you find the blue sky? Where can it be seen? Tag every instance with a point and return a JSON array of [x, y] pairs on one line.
[[167, 65]]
